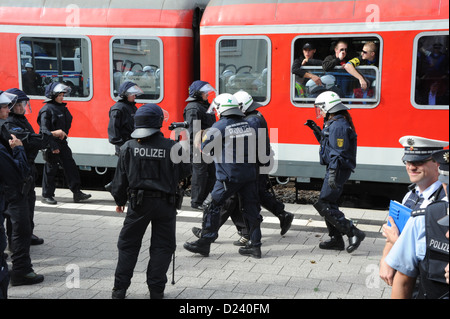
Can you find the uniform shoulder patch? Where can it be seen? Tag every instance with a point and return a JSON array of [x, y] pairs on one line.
[[340, 142]]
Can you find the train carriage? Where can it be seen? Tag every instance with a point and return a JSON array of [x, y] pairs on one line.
[[94, 46], [252, 44]]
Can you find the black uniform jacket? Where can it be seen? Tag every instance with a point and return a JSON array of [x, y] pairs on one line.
[[147, 166]]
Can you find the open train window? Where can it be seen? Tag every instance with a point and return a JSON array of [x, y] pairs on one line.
[[314, 77], [57, 59], [430, 79], [139, 61], [244, 64]]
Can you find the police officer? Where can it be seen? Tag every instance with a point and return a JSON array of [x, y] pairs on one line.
[[422, 248], [18, 124], [229, 142], [195, 113], [266, 198], [338, 152], [121, 116], [54, 115], [14, 170], [424, 190], [147, 177]]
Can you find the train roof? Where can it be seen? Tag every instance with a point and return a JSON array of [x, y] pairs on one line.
[[276, 12], [100, 13]]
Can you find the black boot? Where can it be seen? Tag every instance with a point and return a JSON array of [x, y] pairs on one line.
[[118, 293], [250, 250], [285, 222], [80, 196], [28, 279], [35, 240], [355, 239], [200, 246], [334, 243]]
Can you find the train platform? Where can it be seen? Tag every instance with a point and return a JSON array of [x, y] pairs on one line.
[[79, 256]]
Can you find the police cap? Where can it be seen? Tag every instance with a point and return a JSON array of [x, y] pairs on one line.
[[442, 157], [420, 148]]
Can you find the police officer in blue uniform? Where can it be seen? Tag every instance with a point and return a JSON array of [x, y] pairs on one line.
[[147, 177], [229, 141], [421, 251], [53, 116], [195, 114], [338, 143], [266, 198], [424, 190]]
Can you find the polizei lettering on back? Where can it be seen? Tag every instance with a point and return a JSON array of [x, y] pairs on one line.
[[438, 245], [150, 152]]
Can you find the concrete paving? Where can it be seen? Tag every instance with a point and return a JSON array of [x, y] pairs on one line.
[[79, 256]]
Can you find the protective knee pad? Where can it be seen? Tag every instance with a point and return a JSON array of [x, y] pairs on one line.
[[343, 225]]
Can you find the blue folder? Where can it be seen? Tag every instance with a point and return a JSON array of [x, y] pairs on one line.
[[399, 213]]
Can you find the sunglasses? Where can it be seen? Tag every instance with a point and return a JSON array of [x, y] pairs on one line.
[[366, 52], [417, 163], [343, 49]]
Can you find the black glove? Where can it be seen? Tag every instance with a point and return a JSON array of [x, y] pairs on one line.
[[316, 129], [332, 179]]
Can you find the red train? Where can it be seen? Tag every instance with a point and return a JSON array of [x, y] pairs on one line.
[[242, 44]]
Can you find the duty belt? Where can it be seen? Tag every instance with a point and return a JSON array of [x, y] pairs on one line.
[[137, 195]]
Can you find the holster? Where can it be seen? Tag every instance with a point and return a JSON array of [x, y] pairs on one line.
[[136, 198], [179, 197]]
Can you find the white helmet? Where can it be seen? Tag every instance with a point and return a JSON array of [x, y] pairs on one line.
[[29, 65], [328, 81], [225, 104], [246, 102], [329, 102]]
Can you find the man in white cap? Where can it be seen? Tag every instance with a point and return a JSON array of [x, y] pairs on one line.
[[422, 249], [426, 188]]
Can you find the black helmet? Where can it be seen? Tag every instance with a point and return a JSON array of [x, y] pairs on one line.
[[129, 88], [148, 120], [53, 89]]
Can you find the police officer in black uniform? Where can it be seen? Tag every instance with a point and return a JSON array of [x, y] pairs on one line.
[[18, 124], [54, 115], [228, 141], [14, 167], [338, 152], [121, 116], [147, 177], [433, 284], [195, 114]]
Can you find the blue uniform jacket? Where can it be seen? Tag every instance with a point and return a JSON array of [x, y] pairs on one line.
[[232, 143], [338, 144]]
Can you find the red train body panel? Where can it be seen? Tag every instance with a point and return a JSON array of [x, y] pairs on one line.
[[244, 45], [395, 25]]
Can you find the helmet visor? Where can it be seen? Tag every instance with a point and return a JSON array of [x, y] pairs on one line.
[[62, 88], [166, 115], [21, 107], [134, 90], [318, 108], [8, 99]]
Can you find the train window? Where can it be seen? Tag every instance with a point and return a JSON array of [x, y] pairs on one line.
[[313, 76], [139, 61], [430, 79], [243, 64], [61, 59]]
